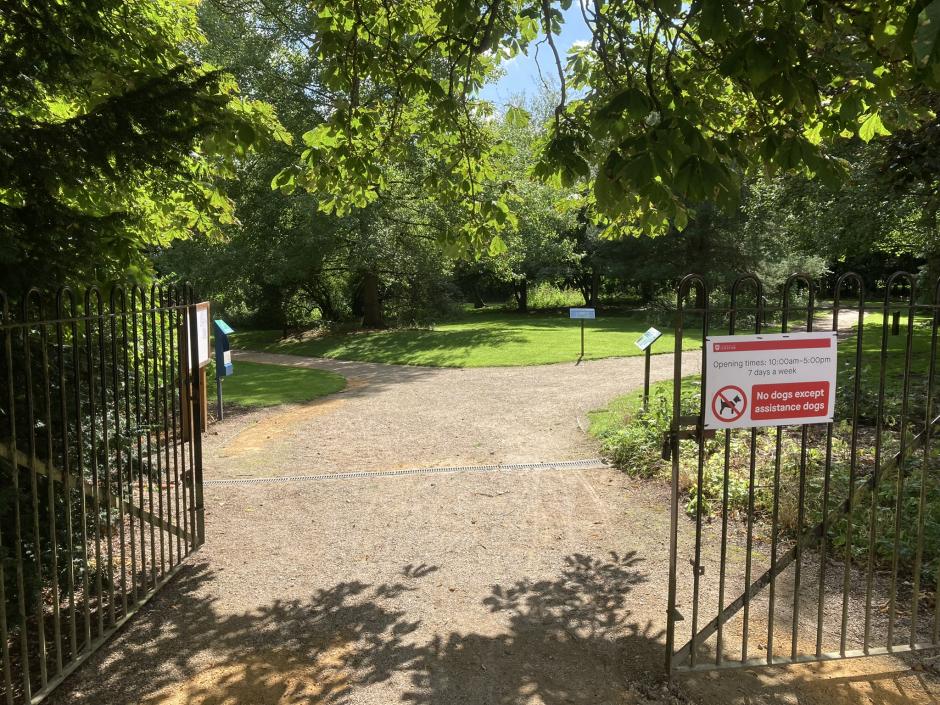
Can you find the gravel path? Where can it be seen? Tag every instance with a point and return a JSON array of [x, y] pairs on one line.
[[534, 587], [393, 416]]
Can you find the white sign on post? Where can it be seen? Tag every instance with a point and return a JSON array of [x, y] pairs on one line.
[[648, 338], [202, 333], [582, 313], [769, 380]]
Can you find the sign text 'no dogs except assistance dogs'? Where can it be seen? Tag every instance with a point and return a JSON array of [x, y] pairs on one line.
[[769, 380]]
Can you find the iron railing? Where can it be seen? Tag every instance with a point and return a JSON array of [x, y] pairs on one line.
[[101, 467], [840, 522]]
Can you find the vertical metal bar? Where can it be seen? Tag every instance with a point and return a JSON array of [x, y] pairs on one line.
[[853, 456], [51, 495], [801, 511], [775, 515], [118, 451], [181, 331], [752, 481], [186, 390], [93, 438], [646, 381], [172, 384], [148, 425], [33, 482], [77, 339], [66, 466], [138, 304], [17, 518], [106, 453], [928, 437], [155, 423], [824, 537], [127, 487], [696, 577], [876, 471], [674, 499], [163, 300], [4, 627], [197, 427], [902, 446]]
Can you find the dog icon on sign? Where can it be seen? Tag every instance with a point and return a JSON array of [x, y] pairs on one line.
[[729, 403]]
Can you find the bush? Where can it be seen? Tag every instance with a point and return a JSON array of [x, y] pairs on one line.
[[547, 295], [633, 439]]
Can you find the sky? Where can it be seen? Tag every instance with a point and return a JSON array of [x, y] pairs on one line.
[[522, 72]]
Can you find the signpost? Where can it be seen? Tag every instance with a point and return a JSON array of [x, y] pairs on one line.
[[581, 314], [769, 380], [645, 343], [223, 358]]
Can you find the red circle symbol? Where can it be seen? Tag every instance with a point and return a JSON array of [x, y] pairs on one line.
[[729, 403]]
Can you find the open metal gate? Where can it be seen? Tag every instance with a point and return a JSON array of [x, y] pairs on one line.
[[100, 458], [808, 542]]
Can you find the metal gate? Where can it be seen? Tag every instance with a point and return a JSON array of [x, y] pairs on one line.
[[810, 542], [101, 467]]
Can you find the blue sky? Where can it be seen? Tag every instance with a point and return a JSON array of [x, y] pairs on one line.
[[522, 72]]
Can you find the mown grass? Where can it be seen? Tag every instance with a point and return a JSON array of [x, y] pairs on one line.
[[480, 339], [268, 385]]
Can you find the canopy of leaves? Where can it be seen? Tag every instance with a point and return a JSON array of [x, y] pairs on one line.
[[113, 138], [670, 104]]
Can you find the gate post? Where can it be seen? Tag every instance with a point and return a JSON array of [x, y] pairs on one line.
[[196, 411]]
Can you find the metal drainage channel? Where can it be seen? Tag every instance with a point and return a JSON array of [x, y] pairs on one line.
[[589, 464]]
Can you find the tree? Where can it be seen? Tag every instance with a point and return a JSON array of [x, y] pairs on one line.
[[114, 140], [669, 104], [288, 261]]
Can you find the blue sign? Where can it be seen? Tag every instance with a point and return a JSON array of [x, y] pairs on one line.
[[648, 338], [223, 353], [582, 313]]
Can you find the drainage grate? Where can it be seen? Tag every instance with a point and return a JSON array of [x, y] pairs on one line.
[[587, 464]]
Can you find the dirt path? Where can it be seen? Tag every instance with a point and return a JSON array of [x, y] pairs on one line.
[[527, 587], [393, 416]]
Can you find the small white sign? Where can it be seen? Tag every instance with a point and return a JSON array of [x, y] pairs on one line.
[[769, 380], [581, 313], [202, 333], [648, 338]]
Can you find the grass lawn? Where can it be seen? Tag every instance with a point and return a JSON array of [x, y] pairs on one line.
[[269, 385], [481, 339]]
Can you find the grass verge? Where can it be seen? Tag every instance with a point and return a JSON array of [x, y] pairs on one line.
[[259, 385]]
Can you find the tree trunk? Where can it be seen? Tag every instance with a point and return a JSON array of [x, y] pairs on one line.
[[478, 301], [522, 296], [595, 287], [270, 312], [372, 316]]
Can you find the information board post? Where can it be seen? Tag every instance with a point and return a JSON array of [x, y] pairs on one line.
[[582, 314], [645, 343]]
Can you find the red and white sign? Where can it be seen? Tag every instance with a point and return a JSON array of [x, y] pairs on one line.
[[769, 380]]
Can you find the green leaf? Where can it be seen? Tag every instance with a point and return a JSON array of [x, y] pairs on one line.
[[925, 36], [497, 246], [871, 127], [517, 117]]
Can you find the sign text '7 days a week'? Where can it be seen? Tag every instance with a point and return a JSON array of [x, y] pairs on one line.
[[769, 380]]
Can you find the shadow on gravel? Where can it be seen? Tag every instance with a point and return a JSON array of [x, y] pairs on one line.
[[567, 641]]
